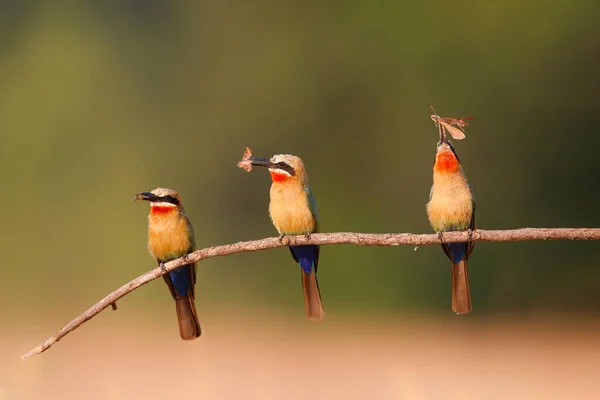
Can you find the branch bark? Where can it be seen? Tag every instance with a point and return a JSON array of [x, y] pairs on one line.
[[360, 239]]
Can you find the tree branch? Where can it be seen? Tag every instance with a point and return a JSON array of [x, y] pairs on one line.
[[361, 239]]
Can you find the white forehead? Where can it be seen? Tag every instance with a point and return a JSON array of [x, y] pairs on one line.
[[286, 158], [163, 192]]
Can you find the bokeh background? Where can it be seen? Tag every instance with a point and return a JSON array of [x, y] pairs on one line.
[[101, 100]]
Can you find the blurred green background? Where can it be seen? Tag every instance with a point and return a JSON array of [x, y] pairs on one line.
[[102, 100]]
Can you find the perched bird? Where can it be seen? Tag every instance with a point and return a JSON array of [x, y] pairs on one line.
[[451, 208], [170, 236], [293, 210]]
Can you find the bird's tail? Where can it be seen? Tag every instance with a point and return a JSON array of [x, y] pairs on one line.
[[461, 295], [312, 296], [189, 326]]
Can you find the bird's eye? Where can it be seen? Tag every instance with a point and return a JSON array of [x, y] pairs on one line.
[[171, 199], [281, 164]]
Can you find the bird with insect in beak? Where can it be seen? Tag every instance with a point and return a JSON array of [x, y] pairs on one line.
[[451, 208], [170, 236], [293, 210]]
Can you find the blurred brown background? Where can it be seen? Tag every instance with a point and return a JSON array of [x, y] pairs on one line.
[[101, 100]]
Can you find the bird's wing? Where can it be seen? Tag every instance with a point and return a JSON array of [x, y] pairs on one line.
[[446, 250], [193, 268], [312, 204], [317, 258], [472, 228], [293, 255], [169, 282], [193, 279]]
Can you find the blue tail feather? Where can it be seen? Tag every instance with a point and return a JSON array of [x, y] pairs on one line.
[[181, 279], [458, 251], [305, 256]]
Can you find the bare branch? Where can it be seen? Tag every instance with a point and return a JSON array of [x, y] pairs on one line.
[[361, 239]]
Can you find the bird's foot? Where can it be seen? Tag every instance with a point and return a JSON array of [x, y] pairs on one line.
[[307, 235], [440, 236], [185, 258], [162, 266], [470, 234], [283, 239]]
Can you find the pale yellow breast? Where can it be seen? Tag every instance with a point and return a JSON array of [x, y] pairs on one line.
[[451, 203], [169, 236], [289, 209]]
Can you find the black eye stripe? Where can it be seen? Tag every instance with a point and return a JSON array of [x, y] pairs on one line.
[[454, 151], [170, 199], [285, 167]]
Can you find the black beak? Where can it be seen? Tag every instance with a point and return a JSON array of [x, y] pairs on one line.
[[434, 118], [147, 196], [261, 162], [443, 137]]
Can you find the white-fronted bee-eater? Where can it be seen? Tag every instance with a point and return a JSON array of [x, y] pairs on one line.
[[293, 210], [451, 208], [170, 236]]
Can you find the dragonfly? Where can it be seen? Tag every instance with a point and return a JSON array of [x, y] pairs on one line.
[[454, 126]]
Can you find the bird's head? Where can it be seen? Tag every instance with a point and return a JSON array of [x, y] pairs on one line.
[[446, 159], [161, 200], [283, 168]]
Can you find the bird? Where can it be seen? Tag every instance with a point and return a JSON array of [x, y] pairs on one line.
[[293, 211], [451, 207], [170, 236]]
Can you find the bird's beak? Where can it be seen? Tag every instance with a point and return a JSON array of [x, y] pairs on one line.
[[261, 162], [146, 196], [443, 138]]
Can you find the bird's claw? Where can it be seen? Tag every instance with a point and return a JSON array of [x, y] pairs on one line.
[[162, 266], [307, 236], [283, 237], [470, 234], [440, 236]]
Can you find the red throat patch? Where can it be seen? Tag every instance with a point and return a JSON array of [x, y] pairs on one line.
[[158, 210], [446, 161], [278, 176]]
